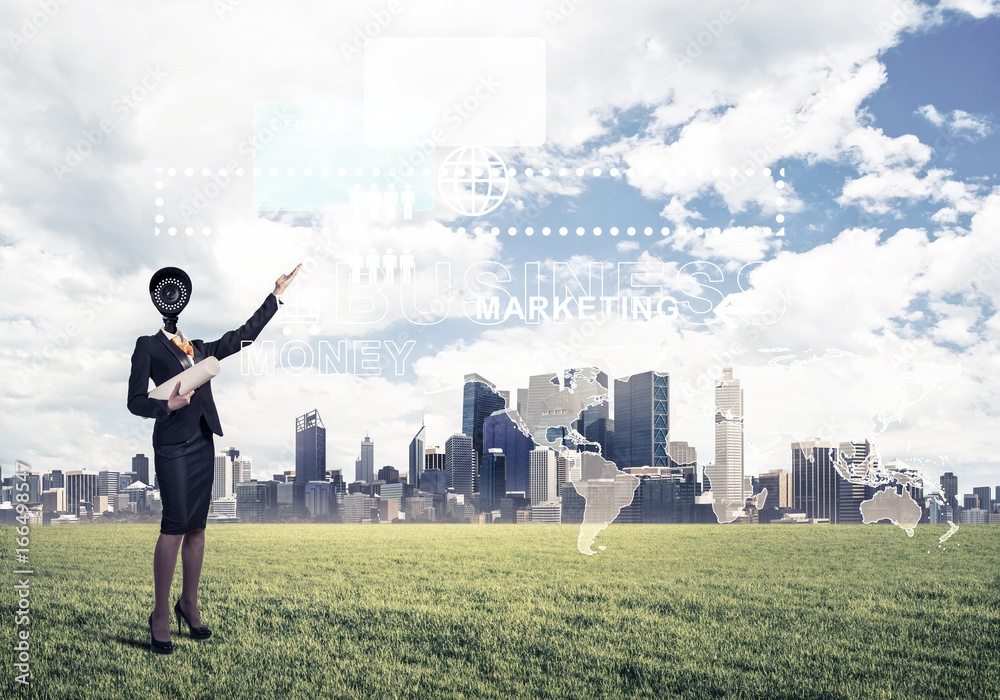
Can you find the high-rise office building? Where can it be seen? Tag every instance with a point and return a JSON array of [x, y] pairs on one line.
[[541, 387], [595, 422], [642, 420], [223, 484], [985, 497], [310, 448], [417, 456], [433, 480], [505, 432], [433, 458], [542, 486], [364, 465], [251, 500], [778, 483], [34, 482], [727, 475], [949, 488], [522, 402], [814, 478], [492, 480], [480, 399], [320, 499], [683, 454], [562, 473], [459, 462], [859, 459], [108, 483], [242, 468], [388, 474], [82, 486], [291, 499], [140, 465], [573, 504]]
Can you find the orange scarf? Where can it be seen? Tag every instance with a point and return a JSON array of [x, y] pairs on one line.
[[186, 347]]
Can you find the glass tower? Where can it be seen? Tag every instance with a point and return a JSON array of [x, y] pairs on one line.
[[642, 420], [310, 448]]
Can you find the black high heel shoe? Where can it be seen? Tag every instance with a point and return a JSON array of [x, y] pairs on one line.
[[155, 645], [196, 632]]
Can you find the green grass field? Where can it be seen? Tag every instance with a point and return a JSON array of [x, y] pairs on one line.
[[466, 611]]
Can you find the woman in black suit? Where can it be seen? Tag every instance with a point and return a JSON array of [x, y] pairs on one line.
[[184, 455]]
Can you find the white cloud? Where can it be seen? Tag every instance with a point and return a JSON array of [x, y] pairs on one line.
[[977, 8], [878, 192], [958, 123], [736, 244]]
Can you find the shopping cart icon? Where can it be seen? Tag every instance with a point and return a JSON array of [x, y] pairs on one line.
[[303, 309]]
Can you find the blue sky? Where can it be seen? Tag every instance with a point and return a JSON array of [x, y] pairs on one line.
[[883, 284]]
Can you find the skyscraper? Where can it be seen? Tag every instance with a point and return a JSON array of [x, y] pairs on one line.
[[81, 486], [388, 474], [480, 398], [985, 497], [492, 480], [417, 457], [108, 483], [310, 448], [433, 458], [542, 486], [222, 486], [251, 501], [57, 479], [859, 459], [459, 463], [364, 466], [814, 478], [595, 422], [642, 420], [522, 402], [505, 432], [727, 474], [778, 483], [540, 388], [949, 485], [140, 465], [685, 455], [242, 468]]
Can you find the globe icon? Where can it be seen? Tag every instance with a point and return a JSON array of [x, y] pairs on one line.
[[473, 180]]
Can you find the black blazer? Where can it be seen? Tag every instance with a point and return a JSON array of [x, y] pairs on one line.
[[158, 358]]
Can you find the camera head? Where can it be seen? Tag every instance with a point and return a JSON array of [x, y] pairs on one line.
[[170, 290]]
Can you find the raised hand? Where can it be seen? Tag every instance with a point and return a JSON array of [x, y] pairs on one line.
[[281, 284], [178, 400]]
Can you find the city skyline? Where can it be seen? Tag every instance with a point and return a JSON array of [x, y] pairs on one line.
[[231, 467]]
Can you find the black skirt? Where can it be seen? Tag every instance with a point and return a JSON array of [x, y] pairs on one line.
[[185, 473]]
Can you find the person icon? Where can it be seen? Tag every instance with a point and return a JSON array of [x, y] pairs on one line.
[[389, 266], [406, 265], [372, 264], [357, 262], [408, 197]]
